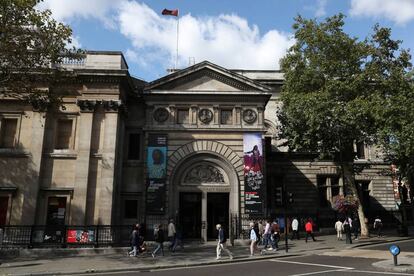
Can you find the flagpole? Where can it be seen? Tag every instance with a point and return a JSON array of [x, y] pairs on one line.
[[176, 53]]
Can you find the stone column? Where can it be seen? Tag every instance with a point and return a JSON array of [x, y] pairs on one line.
[[204, 225], [193, 114], [105, 187], [216, 115], [237, 117], [24, 203], [260, 115], [84, 130]]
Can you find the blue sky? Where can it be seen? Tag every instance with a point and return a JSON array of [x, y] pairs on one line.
[[241, 34]]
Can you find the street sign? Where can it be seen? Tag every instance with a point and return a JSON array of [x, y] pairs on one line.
[[395, 250]]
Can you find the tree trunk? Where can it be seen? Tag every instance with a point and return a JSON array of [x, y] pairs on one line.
[[351, 189]]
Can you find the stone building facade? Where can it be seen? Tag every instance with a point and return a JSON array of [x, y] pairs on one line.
[[88, 163]]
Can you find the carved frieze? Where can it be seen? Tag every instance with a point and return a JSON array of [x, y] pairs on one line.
[[108, 105], [249, 116], [204, 174], [205, 115], [161, 114]]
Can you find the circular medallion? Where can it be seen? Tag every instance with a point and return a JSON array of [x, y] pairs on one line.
[[205, 115], [161, 114], [249, 116]]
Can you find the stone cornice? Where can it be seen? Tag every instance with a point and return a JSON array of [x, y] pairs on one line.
[[206, 68]]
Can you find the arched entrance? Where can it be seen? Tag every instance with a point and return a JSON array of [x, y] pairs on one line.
[[203, 191]]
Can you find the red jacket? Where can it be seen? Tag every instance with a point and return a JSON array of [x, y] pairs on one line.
[[309, 227]]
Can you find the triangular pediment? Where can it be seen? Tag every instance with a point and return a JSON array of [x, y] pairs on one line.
[[205, 76]]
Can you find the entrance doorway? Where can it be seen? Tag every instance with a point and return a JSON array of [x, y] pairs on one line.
[[217, 213], [4, 204], [190, 215]]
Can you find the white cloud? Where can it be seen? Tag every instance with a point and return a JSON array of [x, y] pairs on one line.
[[321, 8], [66, 10], [227, 39], [399, 11]]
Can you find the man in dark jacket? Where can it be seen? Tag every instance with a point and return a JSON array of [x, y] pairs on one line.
[[134, 242], [221, 245]]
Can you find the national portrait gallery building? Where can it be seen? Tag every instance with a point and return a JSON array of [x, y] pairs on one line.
[[198, 145]]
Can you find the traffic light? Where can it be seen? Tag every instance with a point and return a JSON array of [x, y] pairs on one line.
[[279, 196], [290, 198]]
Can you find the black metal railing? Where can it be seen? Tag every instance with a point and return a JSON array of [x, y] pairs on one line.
[[65, 236]]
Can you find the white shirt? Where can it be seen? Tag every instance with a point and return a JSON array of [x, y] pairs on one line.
[[338, 226], [267, 228], [295, 225], [253, 236], [171, 229]]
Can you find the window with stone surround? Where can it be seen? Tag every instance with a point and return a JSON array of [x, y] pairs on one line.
[[328, 188], [8, 132], [134, 146], [131, 209], [226, 116], [64, 134], [360, 150], [182, 116]]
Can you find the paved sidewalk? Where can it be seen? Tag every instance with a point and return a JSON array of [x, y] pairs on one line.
[[116, 259]]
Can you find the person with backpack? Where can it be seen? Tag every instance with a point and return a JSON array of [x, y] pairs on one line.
[[347, 230], [159, 239], [221, 243]]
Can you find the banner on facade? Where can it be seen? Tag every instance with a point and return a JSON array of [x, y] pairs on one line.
[[157, 169], [253, 173]]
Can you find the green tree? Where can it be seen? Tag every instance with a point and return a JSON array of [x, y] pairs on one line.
[[31, 44], [332, 83]]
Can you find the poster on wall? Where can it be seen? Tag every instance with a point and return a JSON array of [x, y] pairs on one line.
[[80, 236], [253, 173], [157, 169]]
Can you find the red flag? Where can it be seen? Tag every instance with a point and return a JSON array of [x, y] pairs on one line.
[[169, 12]]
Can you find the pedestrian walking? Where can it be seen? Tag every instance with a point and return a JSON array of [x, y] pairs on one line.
[[134, 242], [221, 243], [275, 235], [347, 231], [309, 230], [295, 228], [254, 238], [159, 240], [378, 226], [355, 228], [339, 229], [266, 235], [178, 238], [261, 228], [171, 234]]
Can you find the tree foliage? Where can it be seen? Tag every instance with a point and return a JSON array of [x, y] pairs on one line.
[[31, 44], [340, 90]]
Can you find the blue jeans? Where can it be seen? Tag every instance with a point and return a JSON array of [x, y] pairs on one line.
[[275, 241], [266, 240], [159, 246]]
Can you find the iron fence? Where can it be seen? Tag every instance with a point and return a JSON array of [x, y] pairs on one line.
[[65, 236]]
